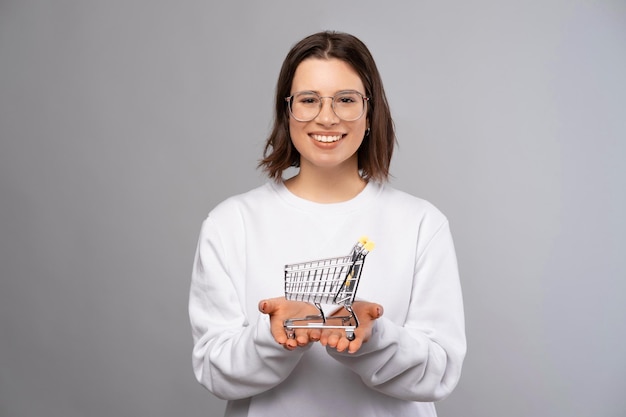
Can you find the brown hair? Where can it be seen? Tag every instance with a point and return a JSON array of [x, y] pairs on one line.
[[374, 155]]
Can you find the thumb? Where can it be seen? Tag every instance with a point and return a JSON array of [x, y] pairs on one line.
[[265, 306], [268, 306], [376, 310]]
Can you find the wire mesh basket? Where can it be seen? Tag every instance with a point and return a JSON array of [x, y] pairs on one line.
[[327, 281]]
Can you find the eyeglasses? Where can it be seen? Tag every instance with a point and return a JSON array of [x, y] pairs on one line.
[[348, 105]]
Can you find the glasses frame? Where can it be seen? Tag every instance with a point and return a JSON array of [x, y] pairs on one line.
[[289, 101]]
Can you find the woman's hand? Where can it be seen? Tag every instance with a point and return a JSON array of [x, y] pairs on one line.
[[280, 309], [367, 313]]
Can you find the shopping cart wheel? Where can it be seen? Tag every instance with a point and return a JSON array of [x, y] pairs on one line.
[[350, 335]]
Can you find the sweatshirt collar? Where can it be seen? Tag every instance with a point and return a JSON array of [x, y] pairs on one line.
[[361, 200]]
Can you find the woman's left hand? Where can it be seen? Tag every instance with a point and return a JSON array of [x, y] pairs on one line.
[[367, 314]]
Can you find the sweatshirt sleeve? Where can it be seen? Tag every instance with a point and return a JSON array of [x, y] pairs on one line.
[[233, 357], [420, 360]]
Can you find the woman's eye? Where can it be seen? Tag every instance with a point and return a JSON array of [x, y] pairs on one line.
[[346, 99], [308, 100]]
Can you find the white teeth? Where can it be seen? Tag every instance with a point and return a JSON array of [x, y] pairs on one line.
[[326, 139]]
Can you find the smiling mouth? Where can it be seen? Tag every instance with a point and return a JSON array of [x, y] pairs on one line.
[[326, 139]]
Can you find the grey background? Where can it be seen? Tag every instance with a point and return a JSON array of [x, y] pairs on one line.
[[123, 122]]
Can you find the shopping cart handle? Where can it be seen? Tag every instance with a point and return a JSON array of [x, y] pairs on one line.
[[368, 245]]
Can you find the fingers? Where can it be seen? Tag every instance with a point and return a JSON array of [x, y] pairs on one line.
[[278, 331], [334, 338], [279, 309], [355, 345], [339, 341], [302, 338], [368, 313], [315, 335]]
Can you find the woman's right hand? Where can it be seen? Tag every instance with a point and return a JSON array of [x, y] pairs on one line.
[[280, 309]]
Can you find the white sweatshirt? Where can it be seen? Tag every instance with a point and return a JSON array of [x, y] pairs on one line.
[[415, 354]]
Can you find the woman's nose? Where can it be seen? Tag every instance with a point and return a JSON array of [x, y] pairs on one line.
[[327, 114]]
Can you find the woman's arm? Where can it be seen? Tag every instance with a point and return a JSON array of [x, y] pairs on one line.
[[234, 356], [421, 359]]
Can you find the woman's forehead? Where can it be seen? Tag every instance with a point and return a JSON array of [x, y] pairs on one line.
[[326, 76]]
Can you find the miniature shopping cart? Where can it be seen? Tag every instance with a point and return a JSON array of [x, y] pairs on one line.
[[327, 281]]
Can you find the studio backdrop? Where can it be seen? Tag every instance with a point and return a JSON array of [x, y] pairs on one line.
[[122, 123]]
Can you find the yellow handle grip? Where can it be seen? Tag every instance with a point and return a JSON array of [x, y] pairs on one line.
[[367, 244]]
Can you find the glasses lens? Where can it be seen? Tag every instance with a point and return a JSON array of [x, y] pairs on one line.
[[348, 105], [305, 106]]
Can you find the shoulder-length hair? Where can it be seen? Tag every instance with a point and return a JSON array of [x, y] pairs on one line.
[[374, 155]]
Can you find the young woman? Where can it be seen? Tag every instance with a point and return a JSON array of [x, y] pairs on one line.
[[332, 121]]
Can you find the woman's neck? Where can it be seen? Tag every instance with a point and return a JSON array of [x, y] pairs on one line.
[[326, 186]]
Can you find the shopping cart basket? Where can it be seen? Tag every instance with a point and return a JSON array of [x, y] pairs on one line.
[[327, 281]]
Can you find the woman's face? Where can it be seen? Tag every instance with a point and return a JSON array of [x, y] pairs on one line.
[[327, 142]]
